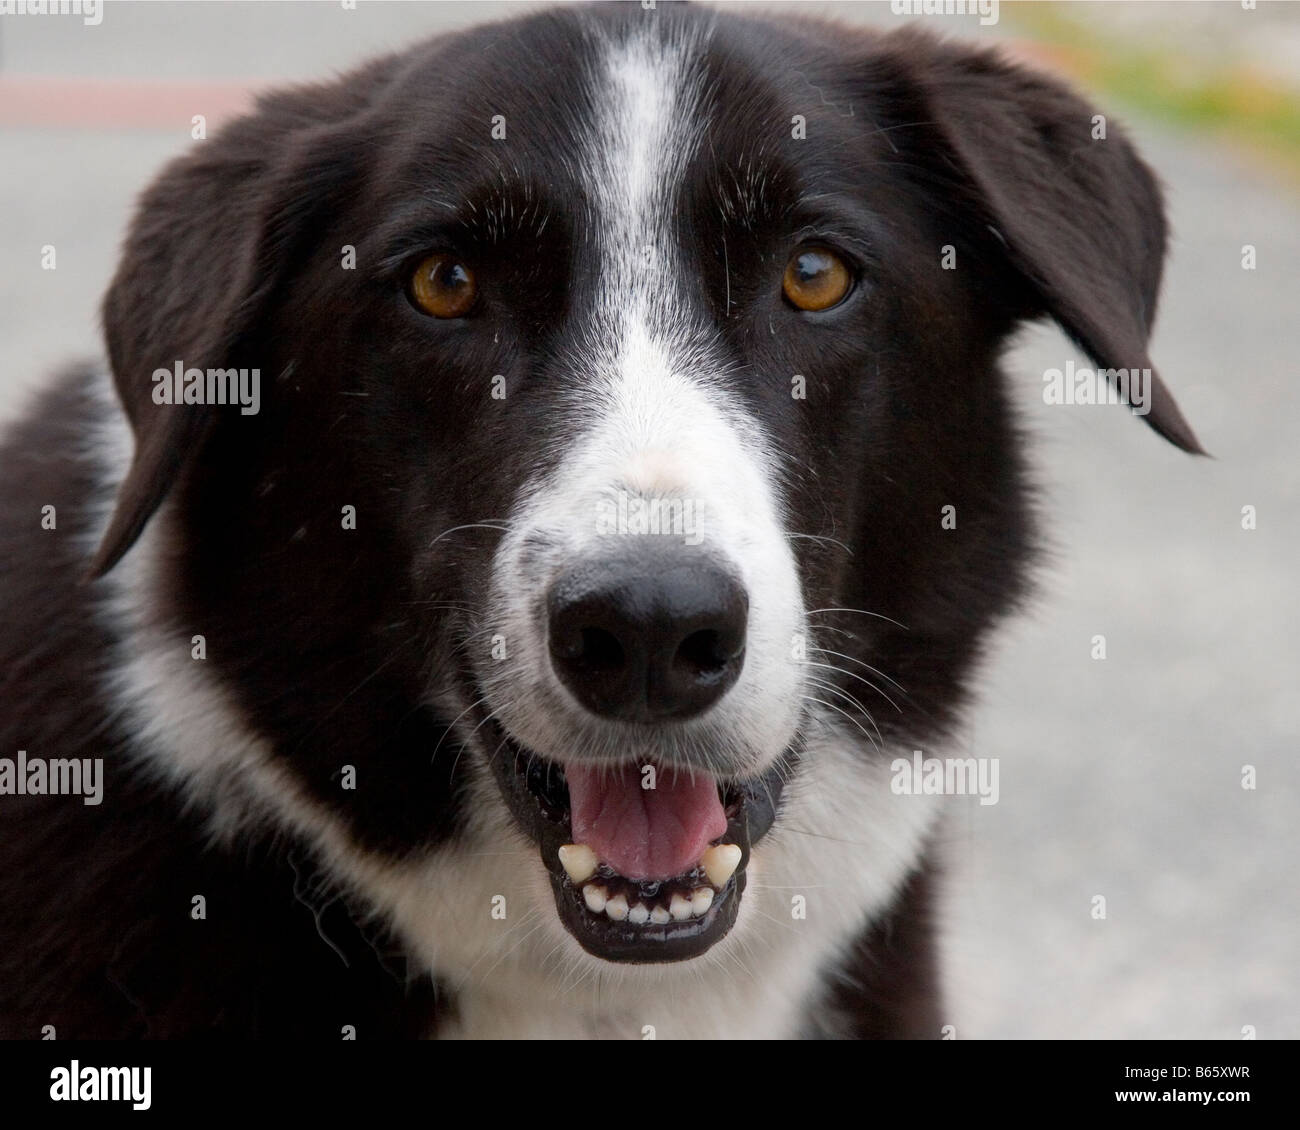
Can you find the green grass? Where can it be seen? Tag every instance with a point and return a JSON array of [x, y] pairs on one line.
[[1224, 98]]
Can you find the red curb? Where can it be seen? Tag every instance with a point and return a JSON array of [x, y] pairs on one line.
[[74, 103]]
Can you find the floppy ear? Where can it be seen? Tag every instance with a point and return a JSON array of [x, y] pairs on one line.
[[1081, 219], [211, 242]]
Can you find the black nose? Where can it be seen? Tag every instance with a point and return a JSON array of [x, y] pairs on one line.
[[649, 633]]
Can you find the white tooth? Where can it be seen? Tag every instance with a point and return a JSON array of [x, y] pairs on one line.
[[595, 897], [680, 908], [638, 914], [720, 863], [701, 900], [616, 908], [659, 916], [579, 861]]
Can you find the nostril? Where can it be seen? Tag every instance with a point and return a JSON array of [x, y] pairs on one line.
[[601, 650], [647, 635], [701, 655]]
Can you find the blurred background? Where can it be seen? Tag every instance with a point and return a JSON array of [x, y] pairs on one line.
[[1120, 777]]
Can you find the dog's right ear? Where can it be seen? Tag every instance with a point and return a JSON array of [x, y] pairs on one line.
[[212, 241]]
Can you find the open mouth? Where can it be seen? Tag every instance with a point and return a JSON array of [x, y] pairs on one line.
[[647, 862]]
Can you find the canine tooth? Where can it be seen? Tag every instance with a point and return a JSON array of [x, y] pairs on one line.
[[616, 908], [720, 863], [701, 900], [659, 916], [579, 861], [680, 908], [594, 897], [638, 914]]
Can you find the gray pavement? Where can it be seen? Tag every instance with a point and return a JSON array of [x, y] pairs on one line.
[[1119, 778], [1123, 777]]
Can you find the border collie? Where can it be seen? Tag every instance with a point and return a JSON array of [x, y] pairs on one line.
[[552, 473]]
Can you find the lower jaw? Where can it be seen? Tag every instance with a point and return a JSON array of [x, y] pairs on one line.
[[542, 812], [651, 942]]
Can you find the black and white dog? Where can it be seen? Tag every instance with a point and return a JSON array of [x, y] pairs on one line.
[[630, 479]]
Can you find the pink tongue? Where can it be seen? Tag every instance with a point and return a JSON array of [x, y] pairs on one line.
[[644, 833]]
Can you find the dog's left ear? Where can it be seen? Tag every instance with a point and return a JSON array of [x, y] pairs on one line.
[[1079, 212]]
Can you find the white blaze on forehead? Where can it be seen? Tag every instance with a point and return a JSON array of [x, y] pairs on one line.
[[655, 414], [647, 379], [646, 133]]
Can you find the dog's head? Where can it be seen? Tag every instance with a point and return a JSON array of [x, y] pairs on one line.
[[630, 420]]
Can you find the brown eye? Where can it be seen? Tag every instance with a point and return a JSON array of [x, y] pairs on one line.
[[816, 279], [444, 287]]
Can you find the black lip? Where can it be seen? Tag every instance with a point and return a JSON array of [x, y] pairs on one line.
[[647, 944], [537, 797]]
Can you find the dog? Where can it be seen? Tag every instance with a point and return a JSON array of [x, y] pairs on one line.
[[548, 478]]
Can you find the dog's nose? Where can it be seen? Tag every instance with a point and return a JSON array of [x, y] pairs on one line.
[[648, 634]]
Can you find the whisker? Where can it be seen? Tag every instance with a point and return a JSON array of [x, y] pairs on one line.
[[532, 914], [822, 684], [832, 706], [860, 612], [864, 663], [821, 537], [468, 526], [466, 741], [825, 836], [477, 702], [860, 679]]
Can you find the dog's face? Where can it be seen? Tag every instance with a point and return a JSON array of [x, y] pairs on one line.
[[619, 371]]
